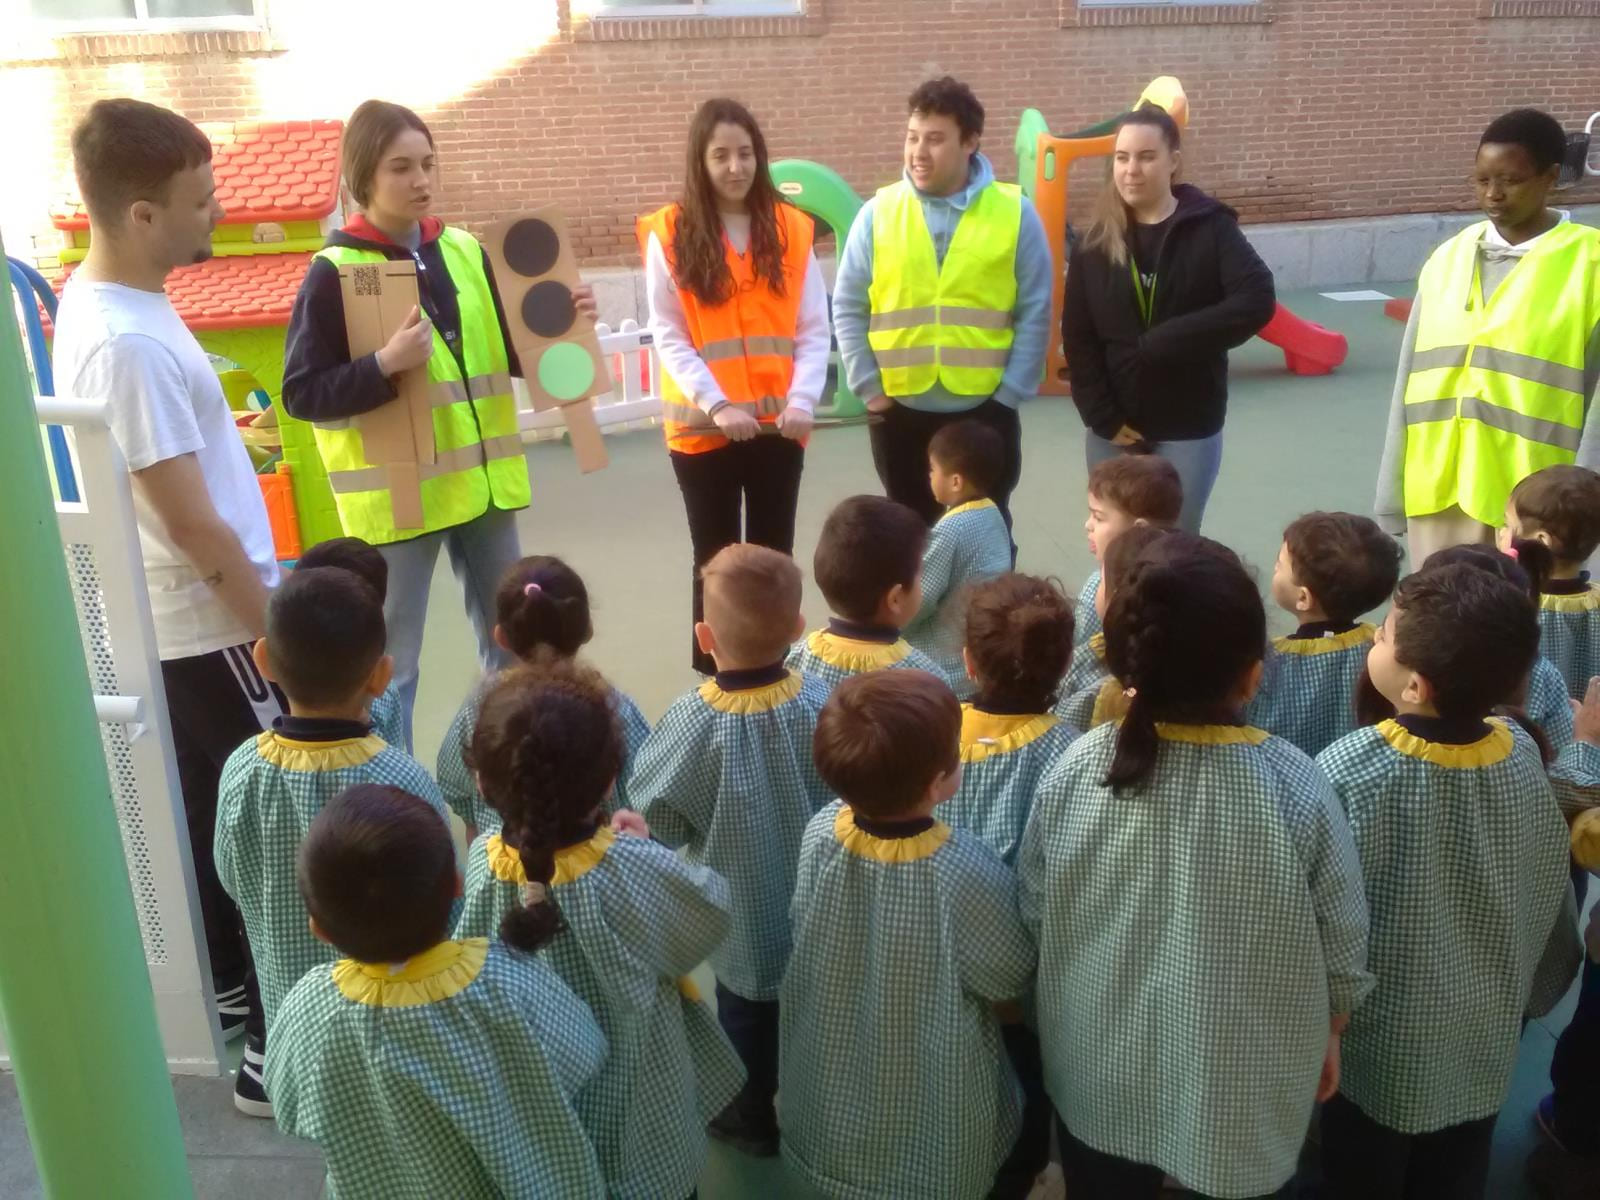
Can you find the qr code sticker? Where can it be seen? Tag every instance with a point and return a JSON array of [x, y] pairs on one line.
[[368, 282]]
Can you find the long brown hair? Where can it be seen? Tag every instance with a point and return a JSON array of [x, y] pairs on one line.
[[698, 261], [1108, 227], [367, 134]]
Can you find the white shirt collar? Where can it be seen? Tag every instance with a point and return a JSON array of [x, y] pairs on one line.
[[1491, 235]]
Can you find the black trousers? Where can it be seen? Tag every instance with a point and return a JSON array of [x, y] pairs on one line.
[[900, 438], [1093, 1175], [743, 492], [1030, 1154], [1364, 1160], [215, 702], [752, 1027]]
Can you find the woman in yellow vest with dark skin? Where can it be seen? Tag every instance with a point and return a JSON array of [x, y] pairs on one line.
[[738, 312], [469, 497]]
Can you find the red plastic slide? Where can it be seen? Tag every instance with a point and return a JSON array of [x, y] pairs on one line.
[[1308, 348]]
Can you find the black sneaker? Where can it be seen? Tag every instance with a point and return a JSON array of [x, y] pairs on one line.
[[249, 1096], [746, 1128], [233, 1009]]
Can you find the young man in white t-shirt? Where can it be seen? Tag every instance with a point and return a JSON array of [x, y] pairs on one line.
[[145, 176]]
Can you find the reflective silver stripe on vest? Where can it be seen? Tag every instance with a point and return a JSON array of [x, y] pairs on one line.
[[725, 348], [910, 318], [1504, 362], [962, 356], [463, 458], [442, 393], [1471, 408]]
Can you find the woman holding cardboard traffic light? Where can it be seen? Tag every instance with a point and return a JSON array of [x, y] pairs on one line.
[[470, 495], [739, 314]]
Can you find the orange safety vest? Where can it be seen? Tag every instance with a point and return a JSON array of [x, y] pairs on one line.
[[747, 341]]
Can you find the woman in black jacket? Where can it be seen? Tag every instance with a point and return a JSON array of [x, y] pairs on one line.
[[1162, 287]]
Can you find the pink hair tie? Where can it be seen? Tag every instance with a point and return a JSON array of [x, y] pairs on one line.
[[531, 589], [1511, 553]]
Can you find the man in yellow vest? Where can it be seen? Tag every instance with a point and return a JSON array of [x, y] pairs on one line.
[[1501, 360], [942, 301]]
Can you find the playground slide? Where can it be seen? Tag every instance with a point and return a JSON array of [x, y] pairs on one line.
[[1308, 348]]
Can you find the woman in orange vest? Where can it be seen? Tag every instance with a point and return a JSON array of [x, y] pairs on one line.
[[739, 315]]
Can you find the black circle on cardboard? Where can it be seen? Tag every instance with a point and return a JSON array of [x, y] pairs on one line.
[[532, 247], [548, 309]]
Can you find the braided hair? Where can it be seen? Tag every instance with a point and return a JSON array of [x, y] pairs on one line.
[[547, 749], [1181, 631], [1527, 566]]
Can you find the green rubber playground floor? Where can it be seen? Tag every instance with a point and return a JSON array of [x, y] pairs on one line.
[[1293, 444]]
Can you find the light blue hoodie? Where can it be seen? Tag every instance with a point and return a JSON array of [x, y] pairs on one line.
[[1031, 316]]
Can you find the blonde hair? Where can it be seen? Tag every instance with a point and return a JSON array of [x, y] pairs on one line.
[[1108, 225], [752, 601]]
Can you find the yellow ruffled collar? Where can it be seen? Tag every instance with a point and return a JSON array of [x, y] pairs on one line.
[[431, 976], [1308, 646], [1495, 746], [505, 864], [1110, 703], [851, 655], [1586, 601], [986, 734], [969, 506], [887, 850], [292, 755], [1211, 735], [1097, 643], [751, 700]]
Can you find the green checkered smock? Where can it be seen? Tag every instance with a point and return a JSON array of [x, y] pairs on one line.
[[1464, 856], [893, 1081], [968, 545], [1002, 760], [1548, 706], [1575, 779], [829, 659], [1086, 621], [729, 776], [1196, 933], [272, 788], [1308, 688], [454, 1074], [638, 920], [1091, 707], [1088, 665], [388, 722], [1569, 636], [461, 789]]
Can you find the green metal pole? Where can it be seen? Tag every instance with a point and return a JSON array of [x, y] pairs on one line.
[[79, 1015]]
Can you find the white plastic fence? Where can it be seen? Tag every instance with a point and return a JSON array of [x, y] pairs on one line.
[[633, 401]]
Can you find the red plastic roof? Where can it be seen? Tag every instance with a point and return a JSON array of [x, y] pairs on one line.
[[265, 171], [246, 291]]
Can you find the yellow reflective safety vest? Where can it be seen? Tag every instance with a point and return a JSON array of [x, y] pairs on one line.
[[948, 324], [1497, 384], [479, 457]]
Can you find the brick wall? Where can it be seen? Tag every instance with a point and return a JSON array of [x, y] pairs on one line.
[[1302, 108]]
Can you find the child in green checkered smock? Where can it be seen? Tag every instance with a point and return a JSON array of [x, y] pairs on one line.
[[1195, 896], [894, 1079], [541, 610], [869, 566], [1086, 617], [1464, 856], [324, 647], [728, 776], [361, 558], [634, 921], [969, 543], [424, 1067], [1559, 509], [1332, 568], [1127, 492]]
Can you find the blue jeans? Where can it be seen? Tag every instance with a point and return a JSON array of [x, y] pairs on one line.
[[480, 553], [1198, 463]]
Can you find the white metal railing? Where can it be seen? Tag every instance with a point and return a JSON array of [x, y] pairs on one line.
[[634, 399]]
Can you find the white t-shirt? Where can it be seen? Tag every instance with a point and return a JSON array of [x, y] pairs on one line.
[[130, 348]]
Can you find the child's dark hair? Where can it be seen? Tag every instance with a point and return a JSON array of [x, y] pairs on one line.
[[1181, 631], [360, 558], [1019, 635], [868, 545], [1526, 571], [1145, 486], [1562, 502], [1536, 132], [1125, 551], [1473, 634], [972, 450], [1347, 562], [884, 737], [546, 749], [377, 870], [325, 633], [949, 97], [542, 602]]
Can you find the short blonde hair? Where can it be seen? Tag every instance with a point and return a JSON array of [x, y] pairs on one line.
[[752, 601]]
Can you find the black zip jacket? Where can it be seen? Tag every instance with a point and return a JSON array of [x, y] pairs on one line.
[[320, 383], [1170, 381]]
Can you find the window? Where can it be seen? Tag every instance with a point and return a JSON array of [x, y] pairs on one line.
[[688, 8], [138, 16]]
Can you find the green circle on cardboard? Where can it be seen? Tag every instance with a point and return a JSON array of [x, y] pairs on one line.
[[566, 371]]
